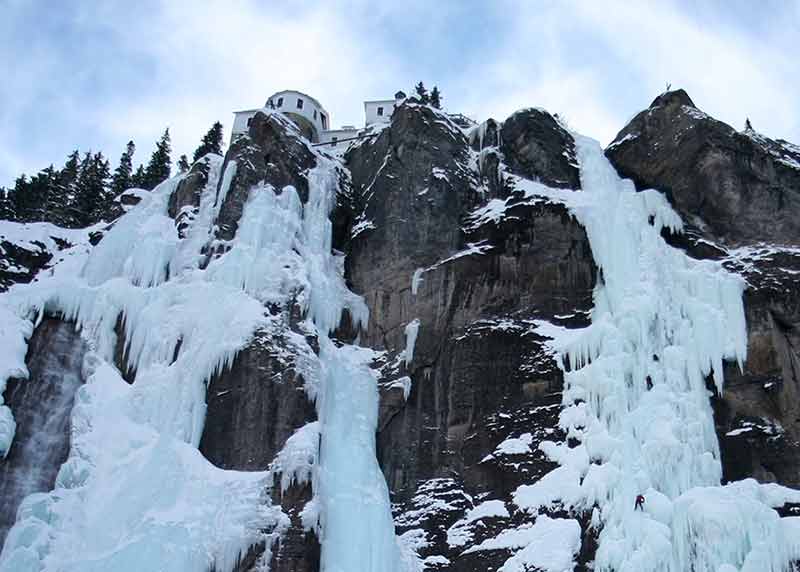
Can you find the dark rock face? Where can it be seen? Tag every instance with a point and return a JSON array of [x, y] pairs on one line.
[[738, 187], [480, 374], [255, 405], [537, 147], [758, 417], [21, 264], [271, 153], [253, 408], [185, 200], [42, 406], [739, 194]]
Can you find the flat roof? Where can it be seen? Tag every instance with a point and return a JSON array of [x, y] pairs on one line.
[[379, 101]]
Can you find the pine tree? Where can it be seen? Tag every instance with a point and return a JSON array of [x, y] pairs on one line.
[[159, 167], [122, 178], [24, 200], [183, 164], [422, 92], [137, 179], [92, 198], [69, 173], [436, 98], [63, 194], [211, 142], [6, 207], [47, 187]]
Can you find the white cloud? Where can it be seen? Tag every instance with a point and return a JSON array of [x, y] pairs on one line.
[[186, 64], [728, 73]]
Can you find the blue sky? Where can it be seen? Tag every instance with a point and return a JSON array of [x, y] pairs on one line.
[[94, 74]]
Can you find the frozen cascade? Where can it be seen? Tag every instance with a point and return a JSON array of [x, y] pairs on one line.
[[110, 508], [42, 404], [357, 527], [636, 398], [411, 332]]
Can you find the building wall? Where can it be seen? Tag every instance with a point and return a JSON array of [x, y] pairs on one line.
[[339, 134], [371, 111], [240, 119], [311, 110]]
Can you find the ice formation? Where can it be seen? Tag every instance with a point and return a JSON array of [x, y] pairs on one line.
[[135, 493], [411, 331], [636, 398]]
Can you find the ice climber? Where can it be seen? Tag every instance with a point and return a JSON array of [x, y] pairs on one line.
[[639, 503]]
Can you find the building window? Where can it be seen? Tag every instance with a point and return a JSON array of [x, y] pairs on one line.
[[334, 141], [380, 111], [299, 103], [324, 120], [280, 102]]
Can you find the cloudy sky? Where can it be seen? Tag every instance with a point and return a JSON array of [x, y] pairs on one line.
[[93, 74]]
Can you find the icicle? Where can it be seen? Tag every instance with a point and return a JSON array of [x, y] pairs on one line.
[[411, 331]]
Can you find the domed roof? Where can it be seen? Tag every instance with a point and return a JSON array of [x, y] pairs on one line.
[[285, 91]]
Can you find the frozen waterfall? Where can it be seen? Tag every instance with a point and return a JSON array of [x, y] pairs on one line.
[[637, 402]]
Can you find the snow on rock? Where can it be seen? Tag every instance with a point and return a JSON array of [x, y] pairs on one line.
[[550, 545], [403, 383], [461, 532], [295, 462], [515, 445]]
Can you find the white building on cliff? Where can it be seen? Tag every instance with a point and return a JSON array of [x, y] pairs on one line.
[[313, 119]]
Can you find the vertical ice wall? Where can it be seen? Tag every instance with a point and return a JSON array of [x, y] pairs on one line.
[[636, 397], [357, 526]]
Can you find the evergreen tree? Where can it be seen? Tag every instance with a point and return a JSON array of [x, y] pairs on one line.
[[211, 142], [69, 174], [92, 197], [6, 208], [122, 178], [63, 193], [422, 93], [47, 187], [183, 164], [436, 98], [137, 179], [747, 125], [24, 200], [160, 166]]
